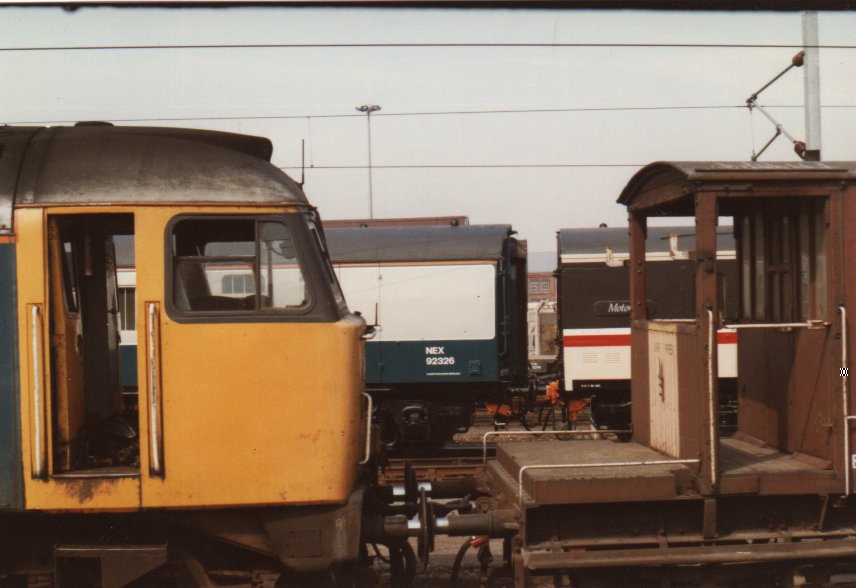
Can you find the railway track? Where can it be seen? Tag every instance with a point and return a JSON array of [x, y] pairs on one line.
[[465, 457]]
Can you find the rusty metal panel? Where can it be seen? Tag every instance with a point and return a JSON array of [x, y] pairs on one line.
[[842, 289], [668, 183], [639, 393], [638, 345], [615, 474], [748, 466], [762, 392], [785, 396], [694, 395], [811, 394]]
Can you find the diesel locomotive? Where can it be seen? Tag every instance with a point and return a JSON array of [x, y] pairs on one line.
[[222, 445], [448, 304]]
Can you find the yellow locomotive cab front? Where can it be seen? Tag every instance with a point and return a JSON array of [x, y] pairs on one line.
[[234, 354], [239, 323]]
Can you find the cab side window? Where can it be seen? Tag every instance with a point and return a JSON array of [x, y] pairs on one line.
[[240, 266]]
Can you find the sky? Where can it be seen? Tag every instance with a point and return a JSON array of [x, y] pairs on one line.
[[601, 108]]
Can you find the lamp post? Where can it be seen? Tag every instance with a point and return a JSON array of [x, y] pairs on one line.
[[369, 109]]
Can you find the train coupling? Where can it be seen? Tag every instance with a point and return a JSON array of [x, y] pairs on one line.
[[412, 489], [424, 510], [496, 524], [394, 529]]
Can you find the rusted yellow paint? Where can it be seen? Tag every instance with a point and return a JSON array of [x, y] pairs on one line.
[[90, 494], [253, 413]]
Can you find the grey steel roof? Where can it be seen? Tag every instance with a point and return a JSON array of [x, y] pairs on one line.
[[417, 243], [683, 174], [595, 241], [100, 164]]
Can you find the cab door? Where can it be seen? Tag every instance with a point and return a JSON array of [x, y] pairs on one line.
[[61, 282], [251, 386]]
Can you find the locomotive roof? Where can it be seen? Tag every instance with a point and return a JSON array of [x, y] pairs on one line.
[[595, 241], [417, 243], [105, 164], [669, 183]]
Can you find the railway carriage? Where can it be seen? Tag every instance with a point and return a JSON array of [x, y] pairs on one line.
[[449, 305], [686, 505], [594, 311]]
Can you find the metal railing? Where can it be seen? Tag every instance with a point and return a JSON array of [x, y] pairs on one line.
[[711, 392], [813, 324], [845, 400]]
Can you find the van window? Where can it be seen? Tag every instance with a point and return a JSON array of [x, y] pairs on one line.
[[783, 263]]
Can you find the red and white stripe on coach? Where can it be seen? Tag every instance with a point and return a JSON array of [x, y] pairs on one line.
[[604, 354]]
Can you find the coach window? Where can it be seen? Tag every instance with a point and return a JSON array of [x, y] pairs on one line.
[[238, 266], [127, 304], [783, 263]]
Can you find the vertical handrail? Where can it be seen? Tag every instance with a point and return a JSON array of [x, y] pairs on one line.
[[154, 393], [845, 400], [711, 404], [369, 409], [38, 429]]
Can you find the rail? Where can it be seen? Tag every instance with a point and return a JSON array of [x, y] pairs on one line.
[[514, 433], [612, 464], [711, 392], [845, 400], [369, 409], [805, 325], [38, 452]]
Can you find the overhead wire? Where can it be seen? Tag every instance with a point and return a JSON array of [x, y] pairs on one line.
[[486, 45], [425, 113], [467, 166], [593, 109]]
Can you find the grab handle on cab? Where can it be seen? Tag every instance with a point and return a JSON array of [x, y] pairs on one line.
[[155, 414], [38, 408], [369, 409]]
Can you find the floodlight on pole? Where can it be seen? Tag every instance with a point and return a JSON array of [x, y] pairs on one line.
[[369, 109]]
